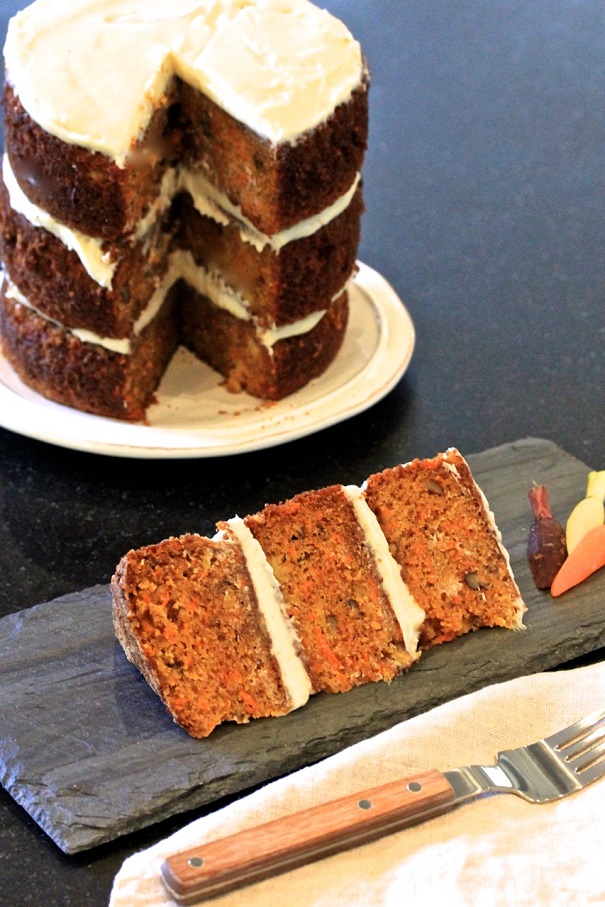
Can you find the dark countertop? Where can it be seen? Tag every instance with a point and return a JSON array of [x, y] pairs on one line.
[[484, 189]]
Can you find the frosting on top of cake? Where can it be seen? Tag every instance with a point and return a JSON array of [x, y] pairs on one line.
[[92, 72]]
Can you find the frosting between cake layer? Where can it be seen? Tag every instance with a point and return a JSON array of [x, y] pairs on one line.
[[208, 201], [93, 74], [204, 282], [408, 612], [214, 288], [114, 344], [271, 604], [89, 250], [212, 203]]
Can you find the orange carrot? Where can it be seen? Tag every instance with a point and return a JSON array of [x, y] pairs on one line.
[[587, 557], [249, 701]]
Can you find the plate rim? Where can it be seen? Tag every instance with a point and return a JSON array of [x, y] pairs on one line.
[[383, 369]]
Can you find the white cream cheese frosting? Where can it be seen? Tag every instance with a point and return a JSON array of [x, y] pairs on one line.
[[284, 643], [91, 72], [182, 265], [89, 250], [208, 201], [408, 612]]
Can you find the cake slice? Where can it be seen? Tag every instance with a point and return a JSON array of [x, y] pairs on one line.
[[186, 614], [328, 590], [335, 595], [444, 537]]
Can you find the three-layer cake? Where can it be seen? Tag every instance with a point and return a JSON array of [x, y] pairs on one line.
[[188, 174]]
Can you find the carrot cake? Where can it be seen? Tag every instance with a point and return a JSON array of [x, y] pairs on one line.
[[174, 174], [331, 589]]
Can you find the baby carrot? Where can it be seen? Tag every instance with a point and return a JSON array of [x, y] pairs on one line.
[[587, 557]]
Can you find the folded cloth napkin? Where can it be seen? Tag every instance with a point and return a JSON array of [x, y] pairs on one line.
[[496, 851]]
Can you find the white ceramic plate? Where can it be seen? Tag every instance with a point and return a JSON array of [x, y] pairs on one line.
[[196, 417]]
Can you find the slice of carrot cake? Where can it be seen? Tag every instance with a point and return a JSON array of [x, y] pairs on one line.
[[331, 589]]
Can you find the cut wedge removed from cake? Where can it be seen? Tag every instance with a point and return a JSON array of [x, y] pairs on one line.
[[331, 589]]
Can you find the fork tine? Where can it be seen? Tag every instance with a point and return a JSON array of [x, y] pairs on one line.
[[575, 731], [584, 745], [594, 771], [587, 757]]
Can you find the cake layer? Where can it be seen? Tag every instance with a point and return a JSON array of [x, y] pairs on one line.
[[85, 190], [441, 533], [261, 365], [207, 653], [87, 376], [335, 603], [333, 592], [279, 287], [276, 185], [44, 269]]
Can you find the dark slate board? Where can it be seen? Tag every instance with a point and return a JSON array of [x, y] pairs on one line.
[[88, 750]]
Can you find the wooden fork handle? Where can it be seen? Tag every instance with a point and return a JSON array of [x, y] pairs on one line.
[[256, 853]]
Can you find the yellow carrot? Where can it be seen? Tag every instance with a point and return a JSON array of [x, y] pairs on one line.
[[587, 557], [596, 485], [589, 512]]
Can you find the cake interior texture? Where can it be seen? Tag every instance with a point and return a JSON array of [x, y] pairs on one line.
[[333, 588], [206, 652], [437, 526], [225, 209], [333, 593]]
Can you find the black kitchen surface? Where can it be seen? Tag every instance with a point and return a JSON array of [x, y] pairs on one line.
[[484, 196]]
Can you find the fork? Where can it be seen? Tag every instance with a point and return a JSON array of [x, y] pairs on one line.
[[541, 772]]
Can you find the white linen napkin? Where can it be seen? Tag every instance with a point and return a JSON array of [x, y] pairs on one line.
[[497, 851]]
